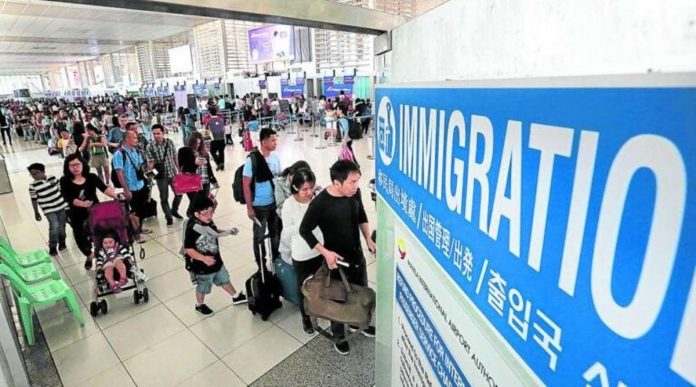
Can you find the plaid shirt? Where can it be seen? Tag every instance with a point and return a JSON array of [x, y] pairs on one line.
[[162, 154], [203, 170]]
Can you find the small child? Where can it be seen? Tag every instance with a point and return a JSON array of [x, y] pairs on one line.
[[45, 193], [202, 255], [111, 256]]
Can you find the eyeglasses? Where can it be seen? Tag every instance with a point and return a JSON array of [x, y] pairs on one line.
[[74, 165], [206, 213]]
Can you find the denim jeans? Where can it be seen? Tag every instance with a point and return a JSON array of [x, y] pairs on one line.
[[268, 217], [56, 227], [163, 185]]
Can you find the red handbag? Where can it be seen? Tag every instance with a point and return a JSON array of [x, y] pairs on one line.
[[187, 182]]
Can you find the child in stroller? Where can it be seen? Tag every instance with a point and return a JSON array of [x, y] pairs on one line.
[[113, 239], [110, 257]]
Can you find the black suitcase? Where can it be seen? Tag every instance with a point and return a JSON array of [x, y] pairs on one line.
[[263, 291], [149, 209]]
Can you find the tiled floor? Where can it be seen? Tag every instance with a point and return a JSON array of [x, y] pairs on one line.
[[164, 342]]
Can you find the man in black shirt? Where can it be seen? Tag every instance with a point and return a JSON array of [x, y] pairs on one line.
[[339, 213]]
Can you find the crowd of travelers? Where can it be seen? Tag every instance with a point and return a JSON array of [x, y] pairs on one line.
[[120, 148]]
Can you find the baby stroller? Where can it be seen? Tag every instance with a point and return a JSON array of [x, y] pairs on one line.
[[112, 217]]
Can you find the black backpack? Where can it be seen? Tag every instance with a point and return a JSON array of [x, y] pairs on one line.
[[354, 129], [238, 185]]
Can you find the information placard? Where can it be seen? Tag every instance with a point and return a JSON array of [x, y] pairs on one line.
[[563, 216]]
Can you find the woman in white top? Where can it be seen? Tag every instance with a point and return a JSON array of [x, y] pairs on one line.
[[305, 259]]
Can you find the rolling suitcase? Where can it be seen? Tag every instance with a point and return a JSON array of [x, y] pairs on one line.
[[150, 209], [263, 290], [288, 280]]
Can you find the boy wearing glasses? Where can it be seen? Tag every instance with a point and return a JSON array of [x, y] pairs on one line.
[[202, 255]]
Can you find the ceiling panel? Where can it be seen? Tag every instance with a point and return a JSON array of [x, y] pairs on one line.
[[36, 35], [35, 10], [13, 8]]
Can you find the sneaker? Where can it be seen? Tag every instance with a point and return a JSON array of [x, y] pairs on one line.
[[177, 216], [204, 310], [240, 299], [343, 348], [52, 251], [307, 326], [170, 222], [369, 332]]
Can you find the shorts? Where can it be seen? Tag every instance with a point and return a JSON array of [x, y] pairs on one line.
[[99, 160], [206, 281], [111, 263]]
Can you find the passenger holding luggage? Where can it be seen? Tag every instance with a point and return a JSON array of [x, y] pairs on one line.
[[305, 259], [193, 158], [339, 213], [202, 255], [259, 196], [79, 188]]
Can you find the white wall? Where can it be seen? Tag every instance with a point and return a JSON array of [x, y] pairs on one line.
[[496, 39], [9, 83]]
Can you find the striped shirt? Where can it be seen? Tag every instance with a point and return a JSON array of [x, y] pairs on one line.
[[47, 194], [118, 252]]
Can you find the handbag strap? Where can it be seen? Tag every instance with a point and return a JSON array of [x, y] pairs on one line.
[[123, 150], [344, 279]]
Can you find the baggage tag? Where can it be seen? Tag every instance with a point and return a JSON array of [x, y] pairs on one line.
[[341, 262]]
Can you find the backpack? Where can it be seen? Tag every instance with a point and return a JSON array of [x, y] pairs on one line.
[[238, 185], [354, 130]]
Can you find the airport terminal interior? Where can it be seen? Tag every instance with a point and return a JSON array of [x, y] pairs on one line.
[[441, 192]]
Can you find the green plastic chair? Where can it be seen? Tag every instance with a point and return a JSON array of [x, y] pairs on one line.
[[33, 274], [44, 293], [29, 259]]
